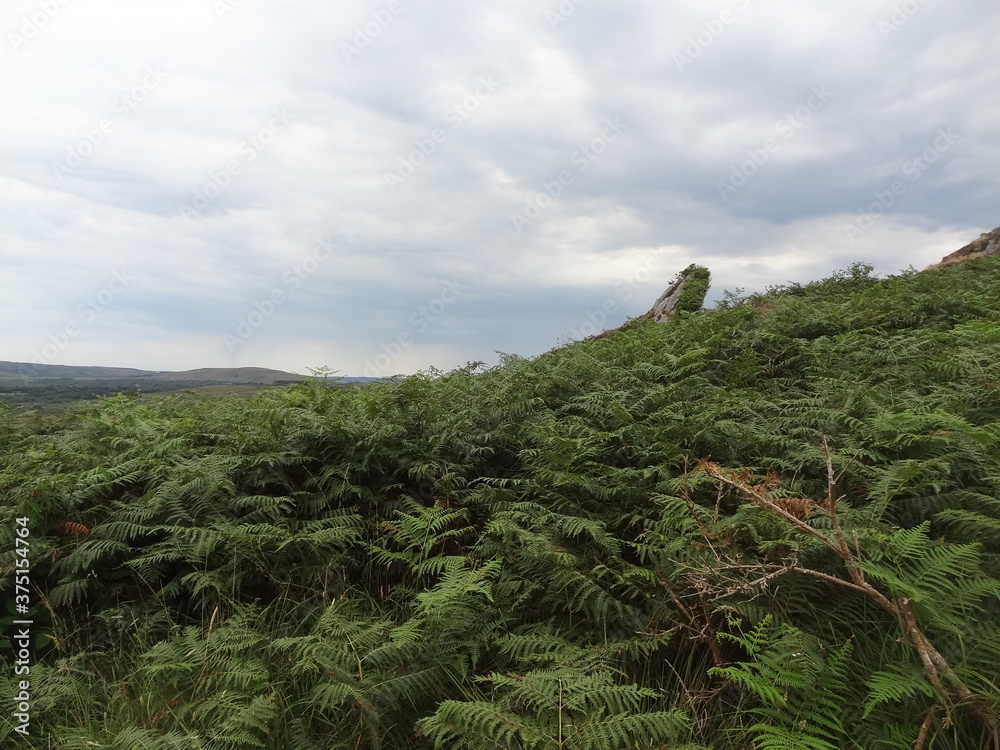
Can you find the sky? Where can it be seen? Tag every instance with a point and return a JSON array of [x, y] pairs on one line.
[[384, 186]]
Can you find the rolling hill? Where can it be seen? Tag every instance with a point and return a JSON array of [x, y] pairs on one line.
[[207, 375]]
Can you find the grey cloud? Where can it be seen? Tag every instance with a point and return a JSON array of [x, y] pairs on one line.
[[749, 65]]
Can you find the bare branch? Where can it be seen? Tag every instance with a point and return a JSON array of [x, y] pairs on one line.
[[716, 471], [933, 662], [925, 728], [857, 575]]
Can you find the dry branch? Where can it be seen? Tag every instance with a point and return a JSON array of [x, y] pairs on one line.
[[934, 664]]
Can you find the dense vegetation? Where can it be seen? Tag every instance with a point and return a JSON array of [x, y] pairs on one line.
[[771, 525]]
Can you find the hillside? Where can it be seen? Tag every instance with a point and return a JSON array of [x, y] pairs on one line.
[[53, 387], [775, 524], [234, 376], [207, 375], [69, 372]]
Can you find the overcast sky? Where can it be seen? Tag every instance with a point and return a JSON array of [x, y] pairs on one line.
[[385, 186]]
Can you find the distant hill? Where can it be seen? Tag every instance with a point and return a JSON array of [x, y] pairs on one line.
[[216, 375], [64, 372], [50, 387], [233, 376]]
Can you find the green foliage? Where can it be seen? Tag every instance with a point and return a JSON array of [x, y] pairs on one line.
[[548, 709], [697, 279], [528, 555], [801, 689]]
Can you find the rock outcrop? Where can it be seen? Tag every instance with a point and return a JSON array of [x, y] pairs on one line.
[[687, 292], [987, 244]]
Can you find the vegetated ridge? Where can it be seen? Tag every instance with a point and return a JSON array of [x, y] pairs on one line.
[[208, 375], [51, 387], [775, 524]]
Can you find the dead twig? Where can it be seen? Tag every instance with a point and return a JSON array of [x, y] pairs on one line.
[[934, 664]]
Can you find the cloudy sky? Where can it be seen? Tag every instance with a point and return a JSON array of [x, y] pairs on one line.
[[384, 186]]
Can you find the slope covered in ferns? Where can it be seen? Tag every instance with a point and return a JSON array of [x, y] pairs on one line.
[[771, 525]]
